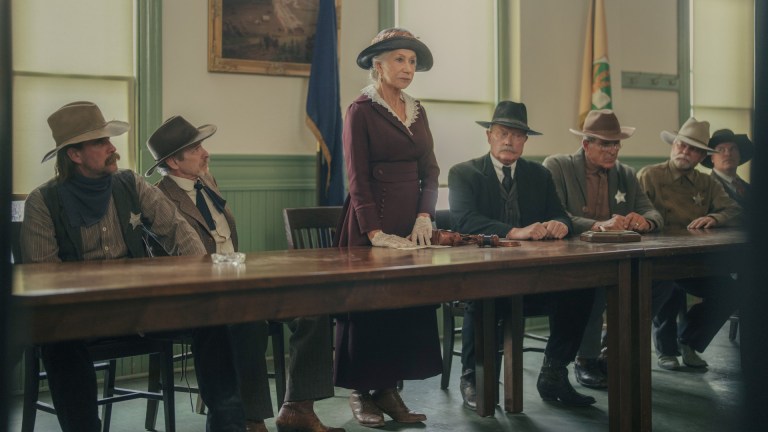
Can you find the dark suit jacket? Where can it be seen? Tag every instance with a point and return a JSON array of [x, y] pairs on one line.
[[743, 201], [473, 194], [192, 214]]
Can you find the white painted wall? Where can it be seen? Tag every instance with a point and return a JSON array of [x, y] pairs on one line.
[[642, 37], [259, 114], [255, 114]]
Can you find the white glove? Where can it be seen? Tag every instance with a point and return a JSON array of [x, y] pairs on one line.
[[391, 241], [422, 231]]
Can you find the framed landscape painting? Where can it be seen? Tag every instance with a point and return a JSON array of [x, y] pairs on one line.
[[271, 37]]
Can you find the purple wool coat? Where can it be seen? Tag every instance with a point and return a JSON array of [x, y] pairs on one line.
[[393, 176]]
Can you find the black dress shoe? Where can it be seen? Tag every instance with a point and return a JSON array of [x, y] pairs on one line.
[[553, 385], [468, 393], [588, 374]]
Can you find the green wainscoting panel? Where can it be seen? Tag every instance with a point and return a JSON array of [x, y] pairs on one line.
[[257, 189]]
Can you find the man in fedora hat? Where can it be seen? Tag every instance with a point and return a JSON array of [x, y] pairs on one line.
[[600, 193], [93, 211], [501, 193], [690, 199], [733, 150], [177, 147]]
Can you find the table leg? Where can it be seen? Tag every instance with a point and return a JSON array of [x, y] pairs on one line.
[[514, 327], [485, 357], [642, 409], [621, 337]]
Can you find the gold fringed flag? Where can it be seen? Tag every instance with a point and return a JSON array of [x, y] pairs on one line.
[[595, 73]]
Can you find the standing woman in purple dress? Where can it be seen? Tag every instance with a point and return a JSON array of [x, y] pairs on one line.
[[392, 194]]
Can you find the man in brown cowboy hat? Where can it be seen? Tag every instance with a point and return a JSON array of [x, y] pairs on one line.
[[690, 199], [600, 193], [93, 211], [501, 193], [177, 147], [733, 150]]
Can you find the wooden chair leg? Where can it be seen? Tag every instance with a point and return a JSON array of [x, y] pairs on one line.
[[448, 342], [31, 388], [169, 400], [514, 327], [278, 355], [109, 390], [153, 386]]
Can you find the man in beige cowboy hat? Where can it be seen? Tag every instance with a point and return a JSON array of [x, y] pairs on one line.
[[600, 193], [177, 147], [690, 199], [92, 210]]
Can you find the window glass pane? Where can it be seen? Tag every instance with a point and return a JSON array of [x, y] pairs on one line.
[[723, 41], [464, 66], [36, 98], [457, 137], [93, 37]]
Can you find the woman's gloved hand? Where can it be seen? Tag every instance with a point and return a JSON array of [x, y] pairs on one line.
[[381, 239], [422, 231]]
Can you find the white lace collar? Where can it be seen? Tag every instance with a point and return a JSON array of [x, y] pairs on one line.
[[411, 105]]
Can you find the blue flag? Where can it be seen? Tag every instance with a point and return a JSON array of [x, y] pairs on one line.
[[323, 107]]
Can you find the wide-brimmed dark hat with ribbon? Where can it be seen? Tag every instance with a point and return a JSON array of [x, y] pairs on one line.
[[746, 148], [604, 125], [511, 114], [173, 135], [693, 132], [393, 39], [80, 121]]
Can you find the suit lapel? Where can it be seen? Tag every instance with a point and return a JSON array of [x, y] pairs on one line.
[[384, 112], [491, 185], [180, 197], [580, 168]]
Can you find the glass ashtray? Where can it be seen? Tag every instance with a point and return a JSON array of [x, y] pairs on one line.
[[228, 258]]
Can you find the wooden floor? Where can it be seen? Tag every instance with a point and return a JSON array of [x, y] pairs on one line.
[[685, 400]]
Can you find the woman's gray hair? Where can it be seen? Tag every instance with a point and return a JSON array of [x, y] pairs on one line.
[[373, 73]]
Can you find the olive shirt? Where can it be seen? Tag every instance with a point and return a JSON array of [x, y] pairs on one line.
[[683, 197]]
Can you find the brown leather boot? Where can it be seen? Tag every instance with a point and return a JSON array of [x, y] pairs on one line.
[[255, 426], [300, 417], [389, 401], [365, 411]]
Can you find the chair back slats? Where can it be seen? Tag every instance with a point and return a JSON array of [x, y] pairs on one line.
[[310, 227], [17, 216]]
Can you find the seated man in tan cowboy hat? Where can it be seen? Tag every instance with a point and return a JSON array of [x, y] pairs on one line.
[[600, 193], [92, 210], [733, 150], [502, 193], [690, 199], [177, 147]]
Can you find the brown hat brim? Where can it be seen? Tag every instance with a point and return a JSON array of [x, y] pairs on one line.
[[424, 59], [204, 132], [626, 132], [110, 129]]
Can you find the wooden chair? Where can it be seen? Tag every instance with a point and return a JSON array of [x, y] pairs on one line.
[[310, 227], [103, 353], [454, 309]]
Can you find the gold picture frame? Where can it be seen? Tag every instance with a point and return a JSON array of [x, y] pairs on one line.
[[269, 37]]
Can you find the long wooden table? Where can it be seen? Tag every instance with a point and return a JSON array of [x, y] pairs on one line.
[[54, 302]]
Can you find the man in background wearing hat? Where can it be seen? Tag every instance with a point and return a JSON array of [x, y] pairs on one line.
[[690, 199], [93, 211], [177, 147], [733, 150], [503, 194], [600, 193]]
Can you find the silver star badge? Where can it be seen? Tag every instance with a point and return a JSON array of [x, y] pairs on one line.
[[135, 220], [621, 197], [698, 199]]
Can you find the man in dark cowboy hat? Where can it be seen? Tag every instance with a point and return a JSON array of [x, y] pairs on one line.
[[600, 193], [733, 150], [501, 193], [690, 199], [93, 211], [177, 147]]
